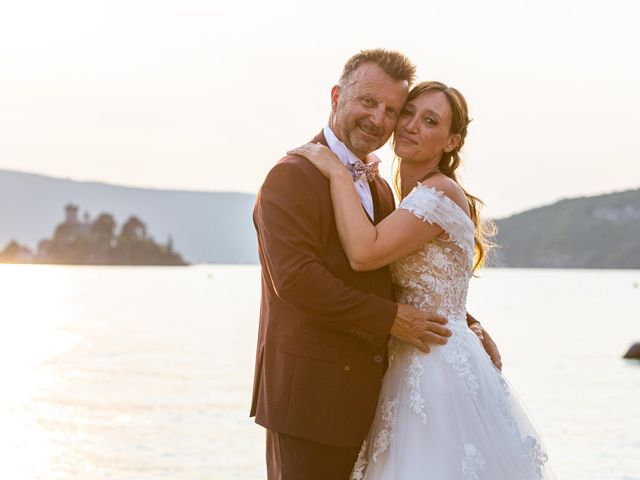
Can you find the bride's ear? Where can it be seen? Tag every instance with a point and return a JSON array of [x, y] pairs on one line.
[[335, 97], [453, 143]]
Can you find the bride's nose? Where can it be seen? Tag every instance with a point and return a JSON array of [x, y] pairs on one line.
[[412, 125]]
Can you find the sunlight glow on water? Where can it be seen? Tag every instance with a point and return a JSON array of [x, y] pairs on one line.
[[146, 373], [35, 310]]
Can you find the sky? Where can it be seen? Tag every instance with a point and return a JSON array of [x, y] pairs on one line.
[[204, 95]]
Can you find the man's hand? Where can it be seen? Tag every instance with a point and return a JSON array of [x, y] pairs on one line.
[[419, 328], [488, 344]]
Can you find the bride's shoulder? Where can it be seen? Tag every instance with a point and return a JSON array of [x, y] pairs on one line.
[[449, 188]]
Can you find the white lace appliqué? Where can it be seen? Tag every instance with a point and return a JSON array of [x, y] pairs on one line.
[[437, 275], [414, 373], [361, 463], [537, 456], [473, 462], [459, 361], [383, 439]]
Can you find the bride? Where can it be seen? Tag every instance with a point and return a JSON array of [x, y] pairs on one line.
[[449, 414]]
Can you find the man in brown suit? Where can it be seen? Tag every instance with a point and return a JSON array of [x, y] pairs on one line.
[[322, 342]]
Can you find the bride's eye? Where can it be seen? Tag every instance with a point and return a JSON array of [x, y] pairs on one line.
[[405, 111], [430, 121]]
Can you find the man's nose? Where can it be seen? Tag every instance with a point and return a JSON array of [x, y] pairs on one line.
[[377, 115]]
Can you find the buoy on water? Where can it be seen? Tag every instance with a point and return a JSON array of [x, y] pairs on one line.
[[633, 352]]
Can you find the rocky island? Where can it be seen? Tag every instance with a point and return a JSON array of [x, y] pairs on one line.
[[86, 242]]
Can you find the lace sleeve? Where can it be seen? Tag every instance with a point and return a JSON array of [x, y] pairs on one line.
[[433, 206]]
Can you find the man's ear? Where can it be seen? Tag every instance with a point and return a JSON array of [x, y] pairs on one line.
[[335, 97]]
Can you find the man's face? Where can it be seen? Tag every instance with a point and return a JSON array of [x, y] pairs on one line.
[[365, 110]]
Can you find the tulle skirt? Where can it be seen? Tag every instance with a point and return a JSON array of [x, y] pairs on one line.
[[449, 415]]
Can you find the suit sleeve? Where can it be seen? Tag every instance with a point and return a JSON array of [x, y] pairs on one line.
[[287, 217]]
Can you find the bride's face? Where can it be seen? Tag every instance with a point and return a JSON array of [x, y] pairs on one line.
[[422, 133]]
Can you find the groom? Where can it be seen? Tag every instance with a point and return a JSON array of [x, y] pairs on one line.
[[322, 340]]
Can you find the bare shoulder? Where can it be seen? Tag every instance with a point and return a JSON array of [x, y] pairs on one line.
[[450, 189]]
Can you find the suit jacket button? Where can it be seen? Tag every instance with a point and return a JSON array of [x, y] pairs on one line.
[[377, 358], [347, 368]]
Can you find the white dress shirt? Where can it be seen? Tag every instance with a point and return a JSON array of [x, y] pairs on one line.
[[347, 157]]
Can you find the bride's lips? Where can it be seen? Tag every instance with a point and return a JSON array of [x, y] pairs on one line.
[[404, 138]]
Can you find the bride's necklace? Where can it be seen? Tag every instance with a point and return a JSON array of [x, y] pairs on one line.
[[429, 175]]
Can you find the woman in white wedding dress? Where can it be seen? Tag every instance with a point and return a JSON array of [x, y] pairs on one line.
[[448, 414]]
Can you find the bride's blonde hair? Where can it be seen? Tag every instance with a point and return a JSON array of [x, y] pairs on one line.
[[450, 161]]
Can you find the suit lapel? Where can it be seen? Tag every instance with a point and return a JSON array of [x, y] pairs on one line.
[[383, 202], [377, 202]]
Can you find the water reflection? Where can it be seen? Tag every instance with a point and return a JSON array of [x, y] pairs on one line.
[[127, 373], [35, 310], [145, 373]]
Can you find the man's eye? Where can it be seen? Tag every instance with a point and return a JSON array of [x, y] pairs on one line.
[[368, 101]]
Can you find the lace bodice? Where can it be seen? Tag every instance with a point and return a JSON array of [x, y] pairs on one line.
[[437, 275]]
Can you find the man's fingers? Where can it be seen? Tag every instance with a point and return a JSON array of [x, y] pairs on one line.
[[494, 355], [492, 349], [436, 328], [443, 331], [419, 345], [434, 317], [478, 331], [433, 338], [497, 362]]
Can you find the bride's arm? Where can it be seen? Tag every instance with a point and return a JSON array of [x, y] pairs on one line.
[[368, 247]]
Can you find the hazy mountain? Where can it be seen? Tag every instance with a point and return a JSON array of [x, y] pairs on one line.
[[588, 232], [215, 227], [206, 227]]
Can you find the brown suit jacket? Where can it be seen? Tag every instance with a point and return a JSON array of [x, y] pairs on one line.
[[323, 334]]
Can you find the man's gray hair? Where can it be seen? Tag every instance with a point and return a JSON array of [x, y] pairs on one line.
[[394, 64]]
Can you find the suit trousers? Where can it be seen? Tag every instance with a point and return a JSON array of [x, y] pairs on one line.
[[292, 458]]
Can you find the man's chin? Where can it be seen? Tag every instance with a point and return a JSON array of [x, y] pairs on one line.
[[362, 147]]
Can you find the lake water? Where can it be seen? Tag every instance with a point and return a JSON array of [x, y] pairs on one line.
[[145, 373]]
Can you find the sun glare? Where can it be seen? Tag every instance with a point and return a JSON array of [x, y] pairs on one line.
[[34, 312]]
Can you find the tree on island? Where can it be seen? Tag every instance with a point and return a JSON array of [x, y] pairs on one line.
[[96, 243], [15, 253]]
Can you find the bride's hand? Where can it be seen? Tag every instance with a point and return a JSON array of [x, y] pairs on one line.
[[322, 157]]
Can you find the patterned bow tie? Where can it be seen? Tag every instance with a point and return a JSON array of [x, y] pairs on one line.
[[360, 168]]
